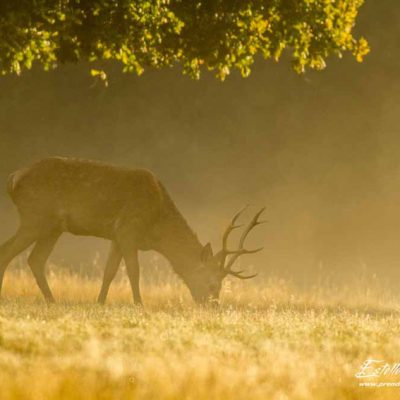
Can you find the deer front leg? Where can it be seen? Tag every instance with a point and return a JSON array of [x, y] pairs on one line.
[[113, 261], [126, 236], [126, 244], [133, 270]]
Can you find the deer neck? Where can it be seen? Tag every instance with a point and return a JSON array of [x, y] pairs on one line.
[[178, 243]]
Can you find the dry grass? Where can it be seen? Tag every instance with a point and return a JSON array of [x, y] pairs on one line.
[[269, 342]]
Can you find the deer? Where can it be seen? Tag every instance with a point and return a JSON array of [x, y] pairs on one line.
[[129, 207]]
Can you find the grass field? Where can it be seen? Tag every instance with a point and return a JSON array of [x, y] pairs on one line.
[[271, 341]]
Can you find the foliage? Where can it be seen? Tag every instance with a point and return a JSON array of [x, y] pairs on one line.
[[218, 35]]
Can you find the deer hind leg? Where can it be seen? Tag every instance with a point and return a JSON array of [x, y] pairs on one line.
[[12, 247], [113, 261], [37, 262]]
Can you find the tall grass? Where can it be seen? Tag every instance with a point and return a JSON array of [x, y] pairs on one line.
[[269, 340]]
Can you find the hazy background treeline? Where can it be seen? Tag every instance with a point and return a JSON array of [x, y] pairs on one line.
[[322, 150]]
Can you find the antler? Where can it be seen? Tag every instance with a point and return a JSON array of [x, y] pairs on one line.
[[241, 250], [231, 227]]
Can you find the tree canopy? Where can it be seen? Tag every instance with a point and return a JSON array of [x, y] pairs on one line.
[[215, 35]]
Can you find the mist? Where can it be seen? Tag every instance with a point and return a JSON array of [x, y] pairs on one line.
[[320, 150]]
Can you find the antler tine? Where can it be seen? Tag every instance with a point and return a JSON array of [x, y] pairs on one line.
[[238, 275], [241, 252], [253, 223], [236, 254], [227, 232]]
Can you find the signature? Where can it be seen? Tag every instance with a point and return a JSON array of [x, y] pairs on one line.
[[377, 368]]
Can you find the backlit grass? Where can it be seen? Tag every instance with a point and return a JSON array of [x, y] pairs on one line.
[[265, 341]]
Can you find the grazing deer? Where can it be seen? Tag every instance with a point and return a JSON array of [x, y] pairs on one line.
[[129, 207]]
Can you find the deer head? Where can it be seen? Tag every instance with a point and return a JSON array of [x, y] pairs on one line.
[[206, 280]]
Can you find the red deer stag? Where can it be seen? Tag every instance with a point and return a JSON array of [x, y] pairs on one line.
[[129, 207]]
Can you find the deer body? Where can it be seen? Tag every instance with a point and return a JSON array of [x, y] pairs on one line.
[[85, 197], [129, 207]]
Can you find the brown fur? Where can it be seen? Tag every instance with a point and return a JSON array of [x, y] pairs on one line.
[[128, 206]]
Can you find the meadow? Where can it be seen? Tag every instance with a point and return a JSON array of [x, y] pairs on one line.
[[267, 340]]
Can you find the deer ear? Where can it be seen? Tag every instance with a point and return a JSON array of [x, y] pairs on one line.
[[206, 253]]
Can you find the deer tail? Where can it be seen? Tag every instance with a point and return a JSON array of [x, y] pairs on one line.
[[11, 182]]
